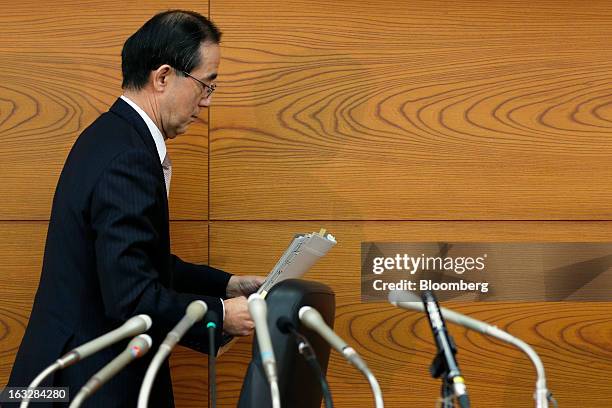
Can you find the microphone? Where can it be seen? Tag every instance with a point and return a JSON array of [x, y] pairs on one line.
[[314, 321], [132, 327], [409, 301], [444, 363], [286, 326], [137, 348], [194, 313], [211, 325], [259, 312]]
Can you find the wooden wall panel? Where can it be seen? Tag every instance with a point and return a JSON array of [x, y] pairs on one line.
[[21, 255], [412, 110], [62, 68], [337, 110], [574, 339]]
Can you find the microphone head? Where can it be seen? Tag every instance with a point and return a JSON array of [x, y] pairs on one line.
[[257, 306], [196, 310], [255, 297], [147, 321], [139, 345], [285, 325], [397, 296], [136, 325], [406, 300], [311, 317], [303, 310]]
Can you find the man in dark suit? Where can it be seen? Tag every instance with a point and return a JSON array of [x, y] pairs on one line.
[[107, 256]]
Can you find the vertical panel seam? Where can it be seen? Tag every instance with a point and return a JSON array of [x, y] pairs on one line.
[[208, 224]]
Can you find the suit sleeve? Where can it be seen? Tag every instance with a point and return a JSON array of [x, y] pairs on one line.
[[123, 209], [200, 279]]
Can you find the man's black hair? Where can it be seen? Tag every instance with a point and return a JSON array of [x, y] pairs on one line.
[[172, 37]]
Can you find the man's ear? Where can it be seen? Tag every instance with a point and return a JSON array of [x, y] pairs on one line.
[[161, 77]]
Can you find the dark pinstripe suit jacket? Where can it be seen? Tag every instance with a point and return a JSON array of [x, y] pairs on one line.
[[107, 258]]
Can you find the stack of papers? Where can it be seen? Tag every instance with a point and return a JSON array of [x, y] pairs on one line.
[[303, 252]]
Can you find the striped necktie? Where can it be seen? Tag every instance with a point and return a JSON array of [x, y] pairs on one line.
[[167, 166]]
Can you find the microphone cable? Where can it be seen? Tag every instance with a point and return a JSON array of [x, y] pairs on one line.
[[306, 350]]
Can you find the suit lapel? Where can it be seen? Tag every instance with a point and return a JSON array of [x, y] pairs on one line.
[[126, 112], [123, 109]]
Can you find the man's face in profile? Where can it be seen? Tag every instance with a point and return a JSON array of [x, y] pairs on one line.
[[187, 96]]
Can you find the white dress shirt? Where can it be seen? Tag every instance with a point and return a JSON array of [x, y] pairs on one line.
[[158, 138]]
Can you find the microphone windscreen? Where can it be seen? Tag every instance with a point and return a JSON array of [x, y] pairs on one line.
[[139, 345], [257, 307], [396, 296], [196, 310], [310, 317], [314, 321], [147, 321], [255, 297]]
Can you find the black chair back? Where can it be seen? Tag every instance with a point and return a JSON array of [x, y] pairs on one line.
[[299, 386]]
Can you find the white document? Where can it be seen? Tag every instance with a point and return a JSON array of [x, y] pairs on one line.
[[303, 252]]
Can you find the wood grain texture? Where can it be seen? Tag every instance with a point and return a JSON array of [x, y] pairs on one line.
[[574, 339], [337, 110], [412, 110], [21, 255], [62, 69]]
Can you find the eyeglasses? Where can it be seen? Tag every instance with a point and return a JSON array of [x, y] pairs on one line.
[[208, 89]]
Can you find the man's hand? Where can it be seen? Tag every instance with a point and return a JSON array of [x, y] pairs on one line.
[[243, 285], [237, 321]]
